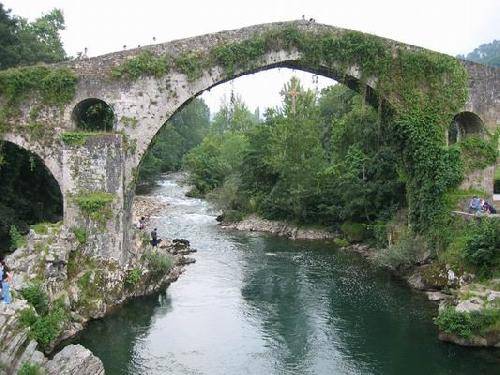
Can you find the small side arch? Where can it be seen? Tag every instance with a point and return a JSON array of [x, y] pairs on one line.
[[94, 114], [464, 125]]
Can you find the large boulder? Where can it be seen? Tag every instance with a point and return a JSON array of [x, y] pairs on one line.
[[74, 360]]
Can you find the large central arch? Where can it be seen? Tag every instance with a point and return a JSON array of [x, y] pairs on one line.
[[144, 87]]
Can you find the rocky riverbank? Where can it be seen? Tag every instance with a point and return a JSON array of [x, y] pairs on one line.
[[253, 223], [459, 295], [59, 285]]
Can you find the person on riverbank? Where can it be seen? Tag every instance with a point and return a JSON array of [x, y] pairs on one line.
[[475, 205], [142, 223], [154, 238], [488, 208], [6, 282]]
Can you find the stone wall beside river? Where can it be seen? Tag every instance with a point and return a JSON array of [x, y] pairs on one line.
[[86, 286]]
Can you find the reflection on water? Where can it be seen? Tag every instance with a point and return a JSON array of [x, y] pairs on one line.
[[255, 304]]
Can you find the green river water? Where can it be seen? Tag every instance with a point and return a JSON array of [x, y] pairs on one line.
[[257, 304]]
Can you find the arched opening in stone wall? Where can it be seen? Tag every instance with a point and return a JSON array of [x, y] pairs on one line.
[[93, 115], [464, 125], [29, 195]]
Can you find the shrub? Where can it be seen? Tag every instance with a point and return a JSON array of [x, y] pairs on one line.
[[159, 264], [95, 205], [354, 232], [133, 277], [28, 317], [17, 240], [41, 228], [402, 254], [37, 297], [28, 368], [482, 244], [340, 242], [80, 235], [44, 329], [233, 216], [47, 328], [465, 324]]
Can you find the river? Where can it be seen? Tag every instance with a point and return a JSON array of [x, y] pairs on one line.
[[257, 304]]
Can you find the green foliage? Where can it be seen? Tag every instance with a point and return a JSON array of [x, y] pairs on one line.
[[53, 86], [464, 324], [482, 244], [27, 43], [17, 240], [159, 264], [95, 205], [48, 327], [402, 254], [46, 323], [477, 153], [340, 242], [36, 296], [181, 133], [133, 277], [354, 232], [41, 228], [80, 235], [144, 64], [76, 138], [28, 317], [190, 64], [28, 368]]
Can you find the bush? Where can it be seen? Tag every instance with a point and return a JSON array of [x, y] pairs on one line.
[[37, 297], [158, 264], [28, 368], [232, 216], [402, 254], [354, 232], [47, 328], [80, 235], [482, 245], [340, 242], [464, 324], [17, 240], [133, 277], [28, 317]]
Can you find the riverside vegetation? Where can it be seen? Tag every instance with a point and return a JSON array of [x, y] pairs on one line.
[[327, 160]]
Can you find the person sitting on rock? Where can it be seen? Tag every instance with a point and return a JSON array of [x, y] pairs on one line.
[[475, 205], [154, 238]]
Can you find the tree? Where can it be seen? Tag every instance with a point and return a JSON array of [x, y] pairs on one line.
[[26, 43]]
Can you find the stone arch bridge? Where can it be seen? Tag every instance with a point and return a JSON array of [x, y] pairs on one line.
[[146, 86]]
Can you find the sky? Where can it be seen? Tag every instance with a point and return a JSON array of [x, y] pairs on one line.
[[102, 26]]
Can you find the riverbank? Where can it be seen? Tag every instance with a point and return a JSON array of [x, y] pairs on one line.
[[253, 223], [462, 300], [59, 285]]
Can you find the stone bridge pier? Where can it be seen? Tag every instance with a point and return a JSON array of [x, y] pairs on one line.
[[144, 87]]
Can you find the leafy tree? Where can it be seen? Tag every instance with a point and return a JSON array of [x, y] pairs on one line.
[[181, 133], [25, 43]]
